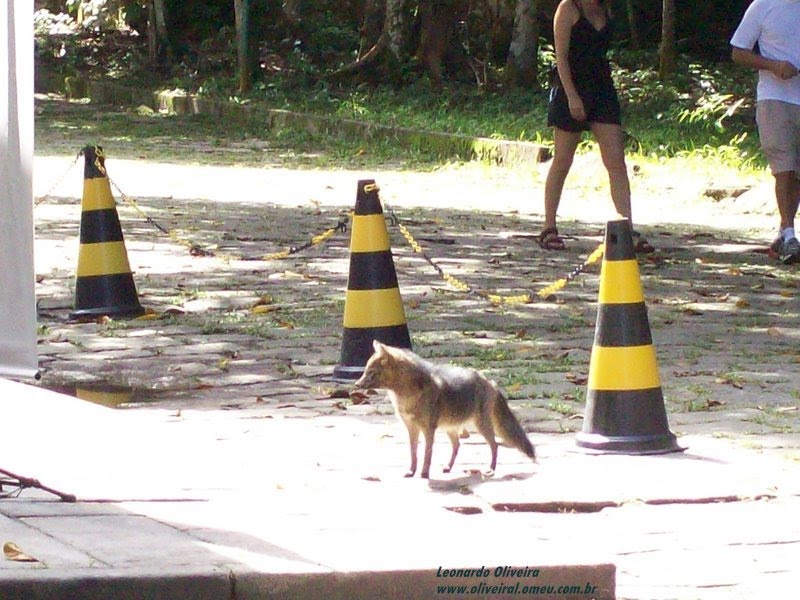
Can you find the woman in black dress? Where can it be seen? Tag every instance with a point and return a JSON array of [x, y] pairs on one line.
[[583, 98]]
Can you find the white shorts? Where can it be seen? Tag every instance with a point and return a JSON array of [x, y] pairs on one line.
[[779, 131]]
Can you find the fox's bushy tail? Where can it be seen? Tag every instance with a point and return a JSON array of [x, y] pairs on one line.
[[509, 428]]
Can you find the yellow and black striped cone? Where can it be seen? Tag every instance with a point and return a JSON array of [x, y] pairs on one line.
[[104, 282], [373, 308], [625, 412]]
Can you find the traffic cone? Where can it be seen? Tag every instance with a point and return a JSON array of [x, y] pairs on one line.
[[625, 412], [104, 282], [373, 308]]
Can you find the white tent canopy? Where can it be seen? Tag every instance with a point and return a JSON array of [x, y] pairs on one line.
[[18, 356]]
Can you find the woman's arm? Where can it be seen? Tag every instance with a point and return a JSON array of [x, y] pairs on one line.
[[565, 18]]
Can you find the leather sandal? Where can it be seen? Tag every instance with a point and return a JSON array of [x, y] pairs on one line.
[[641, 245], [550, 240]]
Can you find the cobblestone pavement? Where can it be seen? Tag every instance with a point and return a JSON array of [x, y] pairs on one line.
[[262, 337], [232, 331]]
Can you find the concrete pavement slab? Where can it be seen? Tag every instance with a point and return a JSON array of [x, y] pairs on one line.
[[210, 497]]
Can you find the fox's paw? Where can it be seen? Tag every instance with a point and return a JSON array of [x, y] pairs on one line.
[[409, 474], [446, 470]]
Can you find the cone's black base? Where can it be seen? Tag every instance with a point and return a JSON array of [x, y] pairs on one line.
[[131, 312], [357, 347], [653, 444], [627, 422], [342, 373], [109, 295]]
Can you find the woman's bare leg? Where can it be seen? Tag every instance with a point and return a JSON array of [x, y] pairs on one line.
[[564, 145]]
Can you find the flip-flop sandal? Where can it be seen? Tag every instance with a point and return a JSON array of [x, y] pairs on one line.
[[550, 240], [641, 245]]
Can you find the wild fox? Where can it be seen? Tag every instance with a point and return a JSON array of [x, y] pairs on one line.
[[427, 396]]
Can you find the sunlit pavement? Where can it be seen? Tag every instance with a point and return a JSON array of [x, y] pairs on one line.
[[241, 471]]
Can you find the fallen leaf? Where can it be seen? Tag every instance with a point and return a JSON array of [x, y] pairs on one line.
[[742, 303], [728, 381], [359, 398], [261, 309], [576, 379], [149, 316], [13, 552]]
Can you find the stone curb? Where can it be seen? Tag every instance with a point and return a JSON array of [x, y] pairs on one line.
[[389, 585], [501, 152]]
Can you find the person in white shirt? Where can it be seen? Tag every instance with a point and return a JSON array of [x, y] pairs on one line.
[[775, 26]]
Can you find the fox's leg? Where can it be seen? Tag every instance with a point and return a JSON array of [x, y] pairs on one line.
[[484, 424], [413, 440], [455, 443], [426, 465]]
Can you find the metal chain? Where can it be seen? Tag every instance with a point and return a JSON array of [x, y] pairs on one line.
[[58, 182], [197, 250], [459, 285]]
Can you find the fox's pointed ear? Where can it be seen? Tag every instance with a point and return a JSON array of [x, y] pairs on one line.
[[377, 347]]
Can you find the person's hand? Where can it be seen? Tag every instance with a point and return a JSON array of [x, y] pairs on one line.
[[576, 108], [783, 69]]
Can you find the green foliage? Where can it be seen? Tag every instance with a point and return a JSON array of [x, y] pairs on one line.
[[705, 110]]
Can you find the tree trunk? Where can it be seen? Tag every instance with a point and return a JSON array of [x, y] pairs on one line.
[[667, 53], [633, 25], [161, 19], [397, 27], [371, 25], [438, 43], [242, 18], [523, 51], [158, 46], [152, 34]]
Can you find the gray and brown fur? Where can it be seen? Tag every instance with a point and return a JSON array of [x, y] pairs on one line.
[[428, 397]]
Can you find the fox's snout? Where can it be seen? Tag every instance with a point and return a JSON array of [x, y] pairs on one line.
[[367, 380]]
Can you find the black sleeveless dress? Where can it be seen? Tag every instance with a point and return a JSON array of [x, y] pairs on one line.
[[591, 74]]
